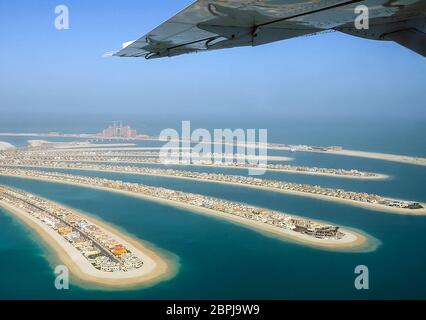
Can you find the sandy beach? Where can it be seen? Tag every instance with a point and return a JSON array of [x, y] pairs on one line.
[[74, 145], [156, 267], [92, 145], [350, 153], [103, 148], [362, 154], [344, 152], [365, 205], [379, 156], [140, 155], [420, 161], [353, 241], [6, 146], [377, 176]]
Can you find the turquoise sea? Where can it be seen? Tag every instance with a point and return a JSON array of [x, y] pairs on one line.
[[221, 260]]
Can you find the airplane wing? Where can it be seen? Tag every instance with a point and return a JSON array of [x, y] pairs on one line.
[[218, 24]]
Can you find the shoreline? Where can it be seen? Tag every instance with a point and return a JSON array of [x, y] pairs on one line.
[[378, 176], [158, 267], [407, 159], [354, 242], [365, 205], [73, 144], [6, 146], [419, 161]]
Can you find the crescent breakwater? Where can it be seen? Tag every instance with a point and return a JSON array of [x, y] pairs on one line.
[[289, 227], [335, 150]]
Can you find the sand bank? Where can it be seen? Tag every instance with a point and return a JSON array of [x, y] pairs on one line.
[[377, 176], [365, 205], [353, 241], [156, 267], [380, 156], [344, 152], [350, 153], [155, 155], [74, 145], [6, 146], [94, 145], [103, 148]]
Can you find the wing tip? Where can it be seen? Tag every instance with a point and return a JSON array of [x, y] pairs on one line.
[[109, 54]]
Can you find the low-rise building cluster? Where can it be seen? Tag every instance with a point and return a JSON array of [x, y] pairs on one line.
[[96, 245], [234, 179], [182, 158], [270, 217]]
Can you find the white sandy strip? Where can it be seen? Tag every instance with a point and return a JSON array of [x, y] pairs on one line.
[[345, 152], [6, 146], [353, 241], [377, 176], [154, 269], [100, 148], [74, 144], [365, 205], [382, 156], [143, 155], [93, 145], [351, 153], [420, 161]]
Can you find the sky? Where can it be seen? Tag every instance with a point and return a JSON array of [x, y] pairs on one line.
[[43, 70]]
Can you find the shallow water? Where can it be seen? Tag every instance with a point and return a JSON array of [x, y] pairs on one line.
[[223, 260]]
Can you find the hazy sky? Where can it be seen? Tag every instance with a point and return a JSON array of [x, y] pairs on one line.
[[43, 69]]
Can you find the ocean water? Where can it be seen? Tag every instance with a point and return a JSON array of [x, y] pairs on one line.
[[391, 134], [222, 260]]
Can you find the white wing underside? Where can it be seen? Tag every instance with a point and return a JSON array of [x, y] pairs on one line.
[[217, 24]]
